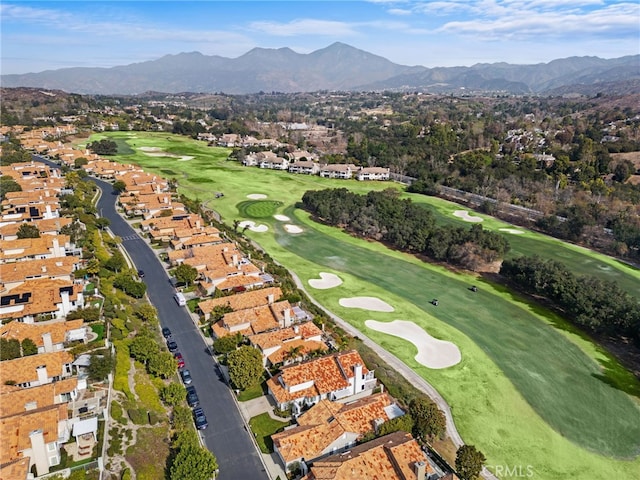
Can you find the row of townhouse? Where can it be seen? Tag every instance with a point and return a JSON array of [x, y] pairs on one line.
[[44, 399], [304, 163]]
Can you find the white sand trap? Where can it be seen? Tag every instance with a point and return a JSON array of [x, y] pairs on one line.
[[326, 281], [150, 149], [293, 228], [432, 353], [464, 215], [257, 196], [513, 231], [185, 158], [366, 303], [253, 227], [282, 218]]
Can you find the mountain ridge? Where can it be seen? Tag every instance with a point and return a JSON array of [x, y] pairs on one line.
[[338, 66]]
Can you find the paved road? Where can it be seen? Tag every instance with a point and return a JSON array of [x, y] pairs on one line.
[[226, 436]]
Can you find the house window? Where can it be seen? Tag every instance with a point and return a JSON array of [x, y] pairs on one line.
[[53, 461], [51, 447]]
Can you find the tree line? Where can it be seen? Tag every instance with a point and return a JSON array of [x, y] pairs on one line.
[[400, 223], [599, 306]]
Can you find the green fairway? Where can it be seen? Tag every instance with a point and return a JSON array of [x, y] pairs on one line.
[[529, 389]]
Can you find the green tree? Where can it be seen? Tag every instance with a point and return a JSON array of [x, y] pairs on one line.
[[80, 161], [192, 462], [142, 348], [402, 423], [101, 365], [119, 186], [245, 367], [103, 147], [161, 364], [102, 223], [186, 273], [8, 184], [429, 421], [89, 314], [28, 230], [93, 266], [227, 344], [173, 394], [182, 418], [469, 462], [9, 349], [116, 262], [147, 313], [28, 347]]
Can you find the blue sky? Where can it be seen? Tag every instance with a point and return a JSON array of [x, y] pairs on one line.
[[39, 36]]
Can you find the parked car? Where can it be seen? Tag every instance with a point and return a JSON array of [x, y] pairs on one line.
[[186, 376], [172, 346], [200, 419], [192, 396], [141, 273], [166, 333], [179, 359]]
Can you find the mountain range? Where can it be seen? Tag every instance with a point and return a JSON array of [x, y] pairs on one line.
[[336, 67]]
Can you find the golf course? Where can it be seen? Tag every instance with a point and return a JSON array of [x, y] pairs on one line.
[[529, 389]]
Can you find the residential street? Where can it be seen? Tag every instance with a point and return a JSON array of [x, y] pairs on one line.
[[226, 435]]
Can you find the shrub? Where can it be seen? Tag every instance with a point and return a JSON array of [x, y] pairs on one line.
[[138, 416]]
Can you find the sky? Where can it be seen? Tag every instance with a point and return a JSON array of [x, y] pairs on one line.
[[48, 35]]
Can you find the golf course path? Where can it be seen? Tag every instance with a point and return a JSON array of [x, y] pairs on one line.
[[401, 367]]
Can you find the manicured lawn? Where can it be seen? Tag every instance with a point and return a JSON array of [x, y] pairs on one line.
[[529, 389], [250, 393], [263, 426], [98, 329], [258, 208]]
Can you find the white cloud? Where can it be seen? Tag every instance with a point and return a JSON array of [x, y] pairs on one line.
[[399, 11], [304, 26]]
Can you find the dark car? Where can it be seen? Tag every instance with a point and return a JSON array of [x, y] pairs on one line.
[[186, 376], [166, 333], [141, 273], [172, 346], [200, 419], [192, 397], [179, 359]]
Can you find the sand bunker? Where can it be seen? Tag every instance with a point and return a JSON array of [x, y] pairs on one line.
[[464, 215], [292, 228], [513, 231], [257, 196], [432, 353], [282, 218], [253, 227], [366, 303], [158, 152], [326, 280]]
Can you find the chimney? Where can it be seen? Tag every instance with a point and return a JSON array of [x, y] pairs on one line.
[[296, 329], [420, 469], [44, 268], [270, 298], [43, 378], [48, 343], [287, 317], [234, 260], [198, 224]]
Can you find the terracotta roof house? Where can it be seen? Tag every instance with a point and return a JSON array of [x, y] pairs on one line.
[[372, 173], [36, 434], [334, 377], [15, 400], [396, 456], [289, 344], [108, 170], [48, 336], [254, 320], [60, 268], [271, 161], [241, 301], [50, 226], [27, 170], [330, 427], [136, 180], [17, 469], [338, 170], [46, 246], [40, 299], [150, 205], [35, 370]]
